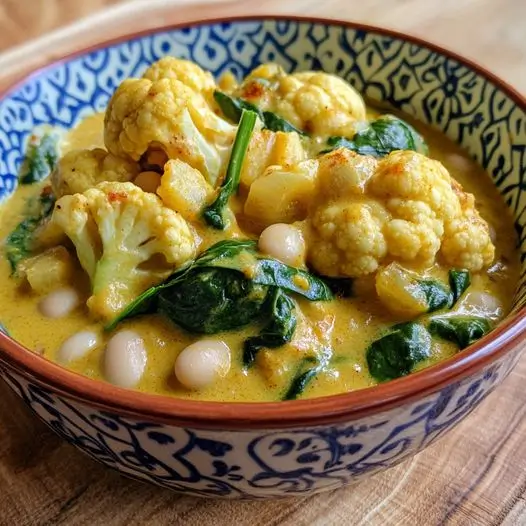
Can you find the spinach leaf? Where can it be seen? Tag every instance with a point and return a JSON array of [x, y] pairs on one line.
[[211, 300], [239, 256], [214, 213], [436, 294], [279, 330], [18, 244], [396, 353], [301, 380], [462, 330], [233, 107], [381, 137], [459, 281], [40, 159], [275, 123], [407, 290]]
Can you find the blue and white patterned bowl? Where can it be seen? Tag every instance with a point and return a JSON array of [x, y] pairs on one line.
[[287, 448]]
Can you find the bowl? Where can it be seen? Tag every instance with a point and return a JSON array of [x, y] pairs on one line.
[[279, 449]]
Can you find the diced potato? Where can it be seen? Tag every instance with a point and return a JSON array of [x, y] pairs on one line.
[[400, 292], [48, 271], [184, 189], [282, 194], [269, 148]]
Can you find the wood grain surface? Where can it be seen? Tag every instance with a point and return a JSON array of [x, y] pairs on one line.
[[474, 476]]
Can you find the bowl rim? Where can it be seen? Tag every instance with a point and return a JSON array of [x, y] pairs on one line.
[[268, 415]]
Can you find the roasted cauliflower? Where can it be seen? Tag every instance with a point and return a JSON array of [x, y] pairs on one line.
[[167, 114], [185, 71], [126, 241], [405, 208], [316, 102], [79, 170]]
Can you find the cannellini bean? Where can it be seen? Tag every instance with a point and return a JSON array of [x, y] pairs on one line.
[[481, 303], [77, 346], [199, 364], [125, 359], [284, 242], [59, 303], [148, 181]]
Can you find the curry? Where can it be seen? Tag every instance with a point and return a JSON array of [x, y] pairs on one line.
[[266, 240]]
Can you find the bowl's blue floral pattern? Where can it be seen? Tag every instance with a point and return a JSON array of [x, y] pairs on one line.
[[268, 463], [261, 463]]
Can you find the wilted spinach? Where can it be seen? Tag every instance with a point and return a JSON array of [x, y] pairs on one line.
[[211, 300], [279, 330], [232, 108], [462, 330], [459, 281], [381, 137], [436, 294], [240, 257], [307, 371], [214, 214], [396, 353], [40, 159], [18, 244]]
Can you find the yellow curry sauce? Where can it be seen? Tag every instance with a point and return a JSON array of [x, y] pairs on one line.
[[342, 328]]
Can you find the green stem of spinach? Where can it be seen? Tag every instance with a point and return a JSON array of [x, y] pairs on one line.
[[301, 381], [214, 213]]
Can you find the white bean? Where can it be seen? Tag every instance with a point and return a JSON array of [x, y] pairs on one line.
[[283, 242], [59, 303], [199, 364], [77, 346], [125, 359]]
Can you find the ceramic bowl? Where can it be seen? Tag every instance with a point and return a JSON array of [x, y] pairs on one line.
[[287, 448]]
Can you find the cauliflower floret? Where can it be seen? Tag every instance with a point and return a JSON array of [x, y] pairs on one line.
[[169, 115], [349, 240], [185, 71], [126, 241], [317, 102], [79, 170], [404, 207]]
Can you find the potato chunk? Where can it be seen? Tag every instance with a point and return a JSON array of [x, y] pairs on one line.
[[184, 189], [282, 194], [48, 271]]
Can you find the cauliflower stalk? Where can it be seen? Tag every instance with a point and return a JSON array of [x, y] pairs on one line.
[[79, 170], [313, 101], [403, 208], [126, 241], [169, 115]]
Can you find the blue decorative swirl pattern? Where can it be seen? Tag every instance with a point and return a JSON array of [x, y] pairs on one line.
[[259, 464]]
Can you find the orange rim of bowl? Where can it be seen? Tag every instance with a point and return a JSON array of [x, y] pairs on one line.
[[505, 338]]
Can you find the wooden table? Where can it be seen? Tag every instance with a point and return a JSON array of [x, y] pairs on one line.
[[476, 475]]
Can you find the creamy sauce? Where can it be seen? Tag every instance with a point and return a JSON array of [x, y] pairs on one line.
[[346, 326]]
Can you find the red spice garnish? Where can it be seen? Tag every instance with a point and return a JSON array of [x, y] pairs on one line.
[[253, 90], [117, 196]]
